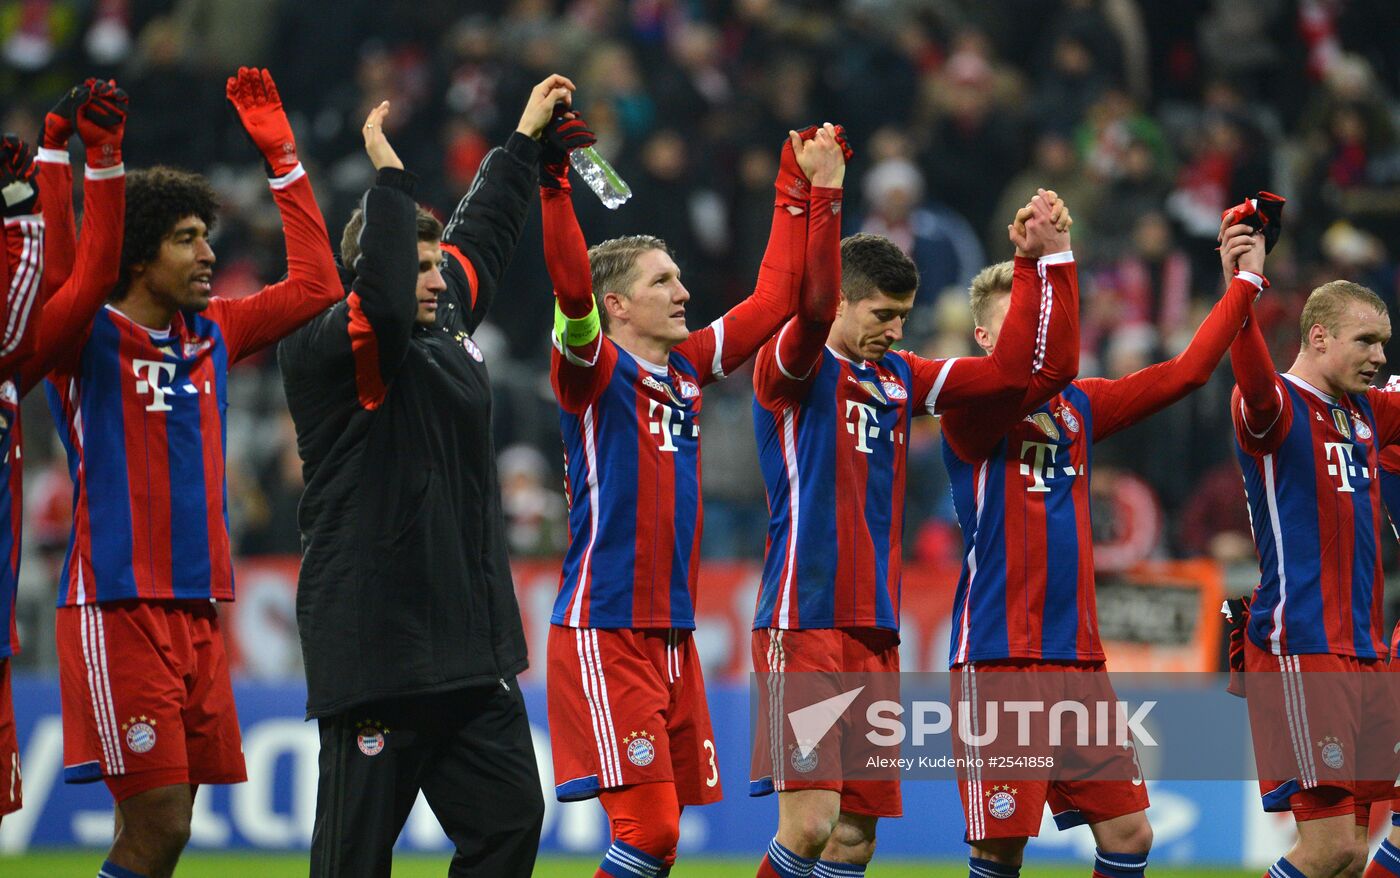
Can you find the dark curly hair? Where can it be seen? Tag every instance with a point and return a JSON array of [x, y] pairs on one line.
[[157, 199], [871, 264]]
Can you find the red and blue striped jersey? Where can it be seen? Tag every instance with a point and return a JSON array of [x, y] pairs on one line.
[[142, 413], [1027, 583], [834, 466], [11, 512], [631, 434], [1314, 495], [142, 419], [22, 259]]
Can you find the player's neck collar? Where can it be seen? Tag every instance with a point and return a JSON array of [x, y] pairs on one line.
[[653, 368], [153, 331], [845, 359], [1331, 400]]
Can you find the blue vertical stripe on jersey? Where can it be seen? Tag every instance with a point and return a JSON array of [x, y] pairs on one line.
[[189, 512], [104, 462]]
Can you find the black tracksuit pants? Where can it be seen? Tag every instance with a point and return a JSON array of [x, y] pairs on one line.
[[470, 753]]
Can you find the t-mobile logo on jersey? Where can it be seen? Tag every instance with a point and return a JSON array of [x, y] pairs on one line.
[[154, 371], [669, 425], [1343, 468], [1039, 470], [860, 427]]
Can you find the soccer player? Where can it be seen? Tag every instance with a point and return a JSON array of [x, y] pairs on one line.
[[405, 604], [140, 399], [833, 406], [1309, 442], [28, 344], [21, 270], [1017, 609], [626, 695]]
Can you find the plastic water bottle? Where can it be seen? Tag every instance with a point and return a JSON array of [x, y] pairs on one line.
[[611, 189]]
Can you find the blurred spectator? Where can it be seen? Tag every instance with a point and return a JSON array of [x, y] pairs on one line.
[[270, 509], [1149, 287], [536, 518], [941, 243], [1053, 166]]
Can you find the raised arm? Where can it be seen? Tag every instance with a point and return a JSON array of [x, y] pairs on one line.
[[312, 283], [369, 333], [727, 343], [798, 348], [1034, 354], [67, 314], [582, 358], [56, 187], [481, 235], [1261, 418]]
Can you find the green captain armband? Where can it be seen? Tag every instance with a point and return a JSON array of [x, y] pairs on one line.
[[576, 332]]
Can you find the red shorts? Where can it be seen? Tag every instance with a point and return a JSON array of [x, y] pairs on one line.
[[146, 695], [11, 790], [1302, 717], [1395, 669], [627, 706], [779, 763], [996, 807]]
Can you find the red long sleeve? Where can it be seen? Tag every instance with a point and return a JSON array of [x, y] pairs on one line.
[[1122, 402], [312, 284], [1038, 347], [56, 202], [1260, 398], [801, 341], [67, 315], [566, 254], [726, 344]]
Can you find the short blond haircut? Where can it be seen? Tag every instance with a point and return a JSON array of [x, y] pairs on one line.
[[1328, 303], [613, 266], [990, 282]]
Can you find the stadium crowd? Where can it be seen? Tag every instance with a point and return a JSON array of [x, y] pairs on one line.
[[1149, 118]]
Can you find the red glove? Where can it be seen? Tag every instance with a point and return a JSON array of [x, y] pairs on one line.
[[565, 133], [60, 124], [101, 123], [19, 177], [254, 97], [1236, 612], [792, 184], [1263, 213]]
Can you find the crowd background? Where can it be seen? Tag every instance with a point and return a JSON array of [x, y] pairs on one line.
[[1147, 117]]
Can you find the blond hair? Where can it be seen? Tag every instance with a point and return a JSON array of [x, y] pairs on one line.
[[613, 266], [990, 282], [1328, 303]]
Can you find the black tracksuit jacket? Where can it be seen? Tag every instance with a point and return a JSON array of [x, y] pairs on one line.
[[405, 587]]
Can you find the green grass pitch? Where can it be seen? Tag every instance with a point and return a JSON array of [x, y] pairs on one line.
[[84, 865]]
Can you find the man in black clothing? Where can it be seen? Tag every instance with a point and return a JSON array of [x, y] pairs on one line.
[[409, 626]]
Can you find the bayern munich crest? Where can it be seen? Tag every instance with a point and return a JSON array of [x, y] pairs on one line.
[[1362, 430], [803, 763], [1001, 802], [689, 389], [1071, 422], [894, 390], [1332, 756], [370, 738], [641, 748], [140, 734], [472, 348]]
